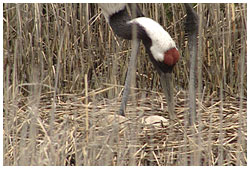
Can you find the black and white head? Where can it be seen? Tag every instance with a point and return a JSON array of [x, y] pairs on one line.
[[161, 45]]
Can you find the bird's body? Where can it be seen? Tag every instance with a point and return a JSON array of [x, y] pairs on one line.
[[158, 43]]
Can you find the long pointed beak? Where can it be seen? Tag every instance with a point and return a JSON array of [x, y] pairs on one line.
[[167, 85]]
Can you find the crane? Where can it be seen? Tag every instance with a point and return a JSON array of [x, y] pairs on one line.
[[159, 45]]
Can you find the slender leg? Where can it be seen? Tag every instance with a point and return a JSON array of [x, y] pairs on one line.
[[191, 27], [130, 74]]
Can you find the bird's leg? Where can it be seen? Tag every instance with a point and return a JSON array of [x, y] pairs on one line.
[[132, 63], [191, 28], [130, 74]]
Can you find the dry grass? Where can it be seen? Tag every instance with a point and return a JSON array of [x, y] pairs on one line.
[[110, 142], [63, 76]]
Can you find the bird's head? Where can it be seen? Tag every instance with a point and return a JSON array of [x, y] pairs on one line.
[[171, 56], [162, 47]]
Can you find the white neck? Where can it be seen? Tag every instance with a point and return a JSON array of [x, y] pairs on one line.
[[161, 40]]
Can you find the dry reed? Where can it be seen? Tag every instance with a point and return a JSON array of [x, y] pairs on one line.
[[64, 71]]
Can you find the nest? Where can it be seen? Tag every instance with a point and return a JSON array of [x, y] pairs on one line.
[[73, 131]]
